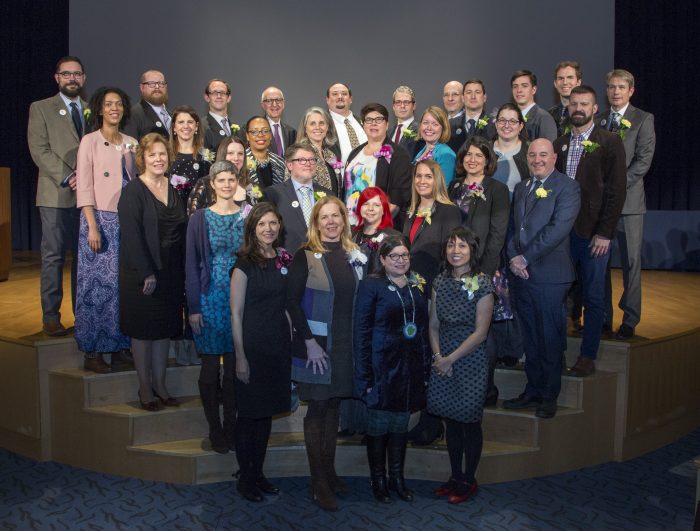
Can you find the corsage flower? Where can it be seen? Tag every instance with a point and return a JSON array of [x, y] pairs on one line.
[[426, 214], [235, 128], [179, 182], [208, 155], [251, 164], [319, 195], [589, 146], [483, 122], [470, 285], [410, 134], [283, 260], [255, 192], [336, 164], [86, 113], [384, 152], [541, 193], [245, 210], [416, 281], [476, 190], [625, 124]]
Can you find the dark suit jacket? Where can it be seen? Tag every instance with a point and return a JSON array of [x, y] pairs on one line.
[[459, 135], [283, 196], [555, 113], [426, 248], [213, 132], [541, 232], [409, 144], [540, 124], [640, 142], [488, 219], [601, 175], [288, 134], [393, 178], [144, 120]]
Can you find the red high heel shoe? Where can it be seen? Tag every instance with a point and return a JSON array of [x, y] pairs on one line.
[[463, 492]]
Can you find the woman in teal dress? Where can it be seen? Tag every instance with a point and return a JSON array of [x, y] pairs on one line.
[[214, 236]]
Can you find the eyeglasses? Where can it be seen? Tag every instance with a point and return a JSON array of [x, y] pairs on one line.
[[502, 122], [402, 103], [259, 132], [154, 84], [403, 257], [304, 162], [376, 120], [219, 93], [270, 101], [67, 75]]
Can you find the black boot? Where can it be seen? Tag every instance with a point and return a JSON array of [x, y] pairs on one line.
[[376, 455], [230, 411], [396, 453], [207, 392]]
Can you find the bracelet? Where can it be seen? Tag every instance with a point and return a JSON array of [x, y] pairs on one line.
[[436, 356]]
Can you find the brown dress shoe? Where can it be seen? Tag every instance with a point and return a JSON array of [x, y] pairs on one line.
[[96, 364], [582, 367], [54, 329]]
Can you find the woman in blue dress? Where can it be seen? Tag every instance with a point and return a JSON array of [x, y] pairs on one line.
[[214, 236]]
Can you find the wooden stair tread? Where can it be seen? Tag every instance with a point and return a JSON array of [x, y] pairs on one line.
[[133, 409], [530, 411]]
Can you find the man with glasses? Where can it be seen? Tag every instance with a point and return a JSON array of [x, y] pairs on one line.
[[295, 197], [538, 122], [150, 115], [217, 126], [55, 128], [405, 131], [474, 121], [347, 127], [283, 135], [452, 99]]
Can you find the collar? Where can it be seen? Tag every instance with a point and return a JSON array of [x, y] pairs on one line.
[[456, 115], [340, 118], [622, 111], [297, 185], [475, 117], [218, 117], [67, 101], [157, 108], [585, 134], [272, 122], [405, 123], [527, 109]]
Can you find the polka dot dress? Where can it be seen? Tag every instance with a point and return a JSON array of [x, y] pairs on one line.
[[461, 396]]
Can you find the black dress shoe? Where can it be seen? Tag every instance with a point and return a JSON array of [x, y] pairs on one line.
[[249, 492], [521, 402], [547, 409], [624, 333], [264, 485], [582, 368]]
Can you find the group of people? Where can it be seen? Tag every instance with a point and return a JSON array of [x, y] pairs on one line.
[[381, 269]]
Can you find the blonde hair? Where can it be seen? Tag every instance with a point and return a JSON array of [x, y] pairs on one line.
[[439, 186], [441, 118], [314, 243]]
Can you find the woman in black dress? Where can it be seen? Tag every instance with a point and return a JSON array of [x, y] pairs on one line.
[[191, 161], [151, 268], [320, 296], [263, 356]]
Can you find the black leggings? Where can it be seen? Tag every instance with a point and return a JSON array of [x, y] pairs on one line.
[[464, 439], [209, 372], [251, 446], [320, 408]]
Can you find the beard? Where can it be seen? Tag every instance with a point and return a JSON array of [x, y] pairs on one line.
[[71, 90], [578, 119], [157, 99]]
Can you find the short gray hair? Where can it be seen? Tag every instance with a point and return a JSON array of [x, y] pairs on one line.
[[221, 167]]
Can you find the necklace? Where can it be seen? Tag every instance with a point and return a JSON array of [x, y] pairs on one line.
[[409, 327]]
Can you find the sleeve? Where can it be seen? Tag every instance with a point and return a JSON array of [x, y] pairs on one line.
[[85, 175], [568, 203], [296, 286], [498, 225], [614, 186], [447, 160], [198, 196], [48, 162], [193, 263], [399, 181], [548, 127], [643, 151], [133, 240], [363, 325], [485, 286]]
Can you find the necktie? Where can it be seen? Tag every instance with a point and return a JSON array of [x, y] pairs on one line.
[[278, 140], [225, 126], [306, 203], [564, 112], [354, 142], [77, 122], [397, 136], [614, 122], [166, 118], [470, 125], [532, 196]]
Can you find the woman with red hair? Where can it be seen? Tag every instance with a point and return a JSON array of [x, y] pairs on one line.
[[375, 223]]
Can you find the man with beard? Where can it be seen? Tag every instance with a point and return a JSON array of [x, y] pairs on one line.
[[596, 159], [150, 115], [347, 126], [55, 128], [567, 75]]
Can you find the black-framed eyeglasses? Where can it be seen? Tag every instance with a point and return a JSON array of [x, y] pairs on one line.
[[396, 257], [270, 101], [503, 121], [305, 162], [67, 75], [218, 93], [376, 120], [154, 84], [259, 132]]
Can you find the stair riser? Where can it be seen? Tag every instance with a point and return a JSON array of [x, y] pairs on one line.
[[511, 383]]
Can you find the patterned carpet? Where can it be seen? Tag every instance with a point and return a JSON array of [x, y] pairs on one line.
[[655, 491]]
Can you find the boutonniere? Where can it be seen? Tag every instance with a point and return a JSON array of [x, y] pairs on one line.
[[86, 113], [625, 124], [541, 193], [470, 285], [179, 182], [426, 214], [255, 192], [373, 243], [476, 190], [235, 128], [357, 259], [251, 164], [427, 155], [416, 281], [208, 155], [283, 260], [525, 119], [319, 195], [384, 152], [589, 147], [130, 147], [410, 134], [245, 210], [483, 122], [567, 129], [336, 164]]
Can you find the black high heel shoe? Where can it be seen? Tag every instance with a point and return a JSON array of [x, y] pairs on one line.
[[167, 402], [153, 405]]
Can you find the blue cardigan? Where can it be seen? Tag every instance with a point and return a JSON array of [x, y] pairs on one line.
[[445, 157]]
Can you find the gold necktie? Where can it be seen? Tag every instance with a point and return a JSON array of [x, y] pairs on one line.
[[354, 142]]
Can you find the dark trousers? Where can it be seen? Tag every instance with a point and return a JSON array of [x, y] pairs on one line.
[[542, 311], [59, 232], [592, 281]]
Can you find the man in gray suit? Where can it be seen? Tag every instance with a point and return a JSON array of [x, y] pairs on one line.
[[636, 128], [295, 197], [543, 214], [150, 114], [538, 122], [55, 127]]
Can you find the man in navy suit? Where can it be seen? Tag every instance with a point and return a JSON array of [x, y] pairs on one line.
[[543, 214], [405, 132], [474, 121], [295, 197], [283, 135], [150, 115]]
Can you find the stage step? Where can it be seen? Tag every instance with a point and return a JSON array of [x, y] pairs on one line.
[[511, 382]]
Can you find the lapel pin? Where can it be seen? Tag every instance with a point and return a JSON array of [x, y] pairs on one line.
[[195, 165], [295, 204], [564, 147], [62, 112], [159, 124]]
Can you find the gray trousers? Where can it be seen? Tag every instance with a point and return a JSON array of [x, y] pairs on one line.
[[630, 235], [59, 232]]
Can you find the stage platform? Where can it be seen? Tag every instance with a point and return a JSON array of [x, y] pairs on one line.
[[645, 394]]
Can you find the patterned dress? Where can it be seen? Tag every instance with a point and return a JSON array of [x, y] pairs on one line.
[[225, 234], [461, 396]]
